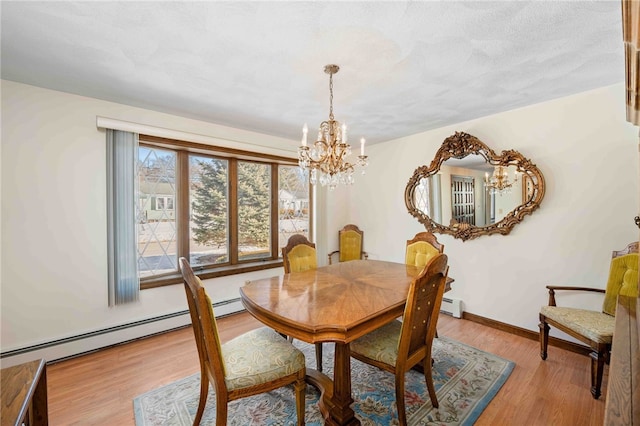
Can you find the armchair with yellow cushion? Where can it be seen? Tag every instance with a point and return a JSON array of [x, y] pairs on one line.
[[350, 242], [592, 327], [422, 248]]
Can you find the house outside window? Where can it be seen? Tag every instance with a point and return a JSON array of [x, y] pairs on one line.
[[164, 203]]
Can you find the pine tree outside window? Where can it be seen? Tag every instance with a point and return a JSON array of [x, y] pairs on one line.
[[226, 215]]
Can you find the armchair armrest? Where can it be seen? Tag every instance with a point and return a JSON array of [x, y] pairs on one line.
[[364, 254], [553, 288]]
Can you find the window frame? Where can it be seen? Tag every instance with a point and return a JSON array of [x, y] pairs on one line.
[[182, 206]]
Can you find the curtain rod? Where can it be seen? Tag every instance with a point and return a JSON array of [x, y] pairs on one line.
[[145, 129]]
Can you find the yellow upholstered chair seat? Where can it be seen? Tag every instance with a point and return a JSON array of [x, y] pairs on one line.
[[257, 357], [591, 327], [597, 326], [381, 344]]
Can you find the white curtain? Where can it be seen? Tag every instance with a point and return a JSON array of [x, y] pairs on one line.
[[124, 284]]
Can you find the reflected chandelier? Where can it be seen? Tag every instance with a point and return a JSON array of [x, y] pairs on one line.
[[499, 183], [326, 158]]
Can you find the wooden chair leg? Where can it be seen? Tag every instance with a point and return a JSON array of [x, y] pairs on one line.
[[597, 368], [300, 387], [544, 336], [319, 356], [204, 392], [402, 415], [428, 377], [221, 411]]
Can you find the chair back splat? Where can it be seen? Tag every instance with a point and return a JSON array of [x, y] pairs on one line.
[[422, 308]]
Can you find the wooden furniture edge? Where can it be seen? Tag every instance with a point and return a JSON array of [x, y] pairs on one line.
[[24, 394], [623, 391]]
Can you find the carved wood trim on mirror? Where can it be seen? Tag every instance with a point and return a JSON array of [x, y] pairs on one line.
[[432, 208]]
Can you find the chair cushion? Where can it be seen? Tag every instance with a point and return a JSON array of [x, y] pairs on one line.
[[302, 258], [596, 326], [623, 279], [350, 246], [419, 253], [381, 344], [259, 356]]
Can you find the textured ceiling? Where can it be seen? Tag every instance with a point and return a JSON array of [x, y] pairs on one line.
[[406, 67]]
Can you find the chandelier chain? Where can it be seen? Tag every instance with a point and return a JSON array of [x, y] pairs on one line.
[[331, 96]]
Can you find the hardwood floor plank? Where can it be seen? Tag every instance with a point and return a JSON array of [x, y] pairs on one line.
[[99, 388]]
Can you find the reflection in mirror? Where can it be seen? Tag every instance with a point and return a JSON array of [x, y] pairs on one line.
[[470, 191]]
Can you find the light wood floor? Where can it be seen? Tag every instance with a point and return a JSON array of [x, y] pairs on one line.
[[98, 389]]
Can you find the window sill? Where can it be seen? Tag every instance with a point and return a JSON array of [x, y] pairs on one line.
[[204, 274]]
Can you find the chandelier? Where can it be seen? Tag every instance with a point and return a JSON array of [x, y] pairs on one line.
[[326, 158], [499, 183]]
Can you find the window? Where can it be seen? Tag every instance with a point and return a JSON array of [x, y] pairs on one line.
[[427, 197], [226, 211], [164, 203]]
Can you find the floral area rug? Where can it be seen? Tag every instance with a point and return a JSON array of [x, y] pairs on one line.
[[465, 378]]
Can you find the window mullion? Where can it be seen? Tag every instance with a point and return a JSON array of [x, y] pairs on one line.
[[182, 205], [275, 213], [233, 211]]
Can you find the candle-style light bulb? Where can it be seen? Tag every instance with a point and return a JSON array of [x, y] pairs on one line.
[[305, 130], [362, 146]]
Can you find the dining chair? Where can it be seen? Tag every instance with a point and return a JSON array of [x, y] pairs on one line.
[[592, 327], [421, 248], [350, 243], [258, 361], [299, 255], [400, 345]]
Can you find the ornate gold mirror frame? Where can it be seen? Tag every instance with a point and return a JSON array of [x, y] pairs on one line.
[[459, 146]]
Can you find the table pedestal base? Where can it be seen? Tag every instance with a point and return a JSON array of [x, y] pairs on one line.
[[335, 396]]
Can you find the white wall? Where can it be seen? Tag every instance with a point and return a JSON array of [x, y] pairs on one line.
[[588, 155], [54, 262], [53, 265]]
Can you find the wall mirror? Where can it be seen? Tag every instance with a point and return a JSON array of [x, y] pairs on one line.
[[468, 190]]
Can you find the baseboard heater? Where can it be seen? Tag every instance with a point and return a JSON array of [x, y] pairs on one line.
[[451, 306], [80, 344]]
